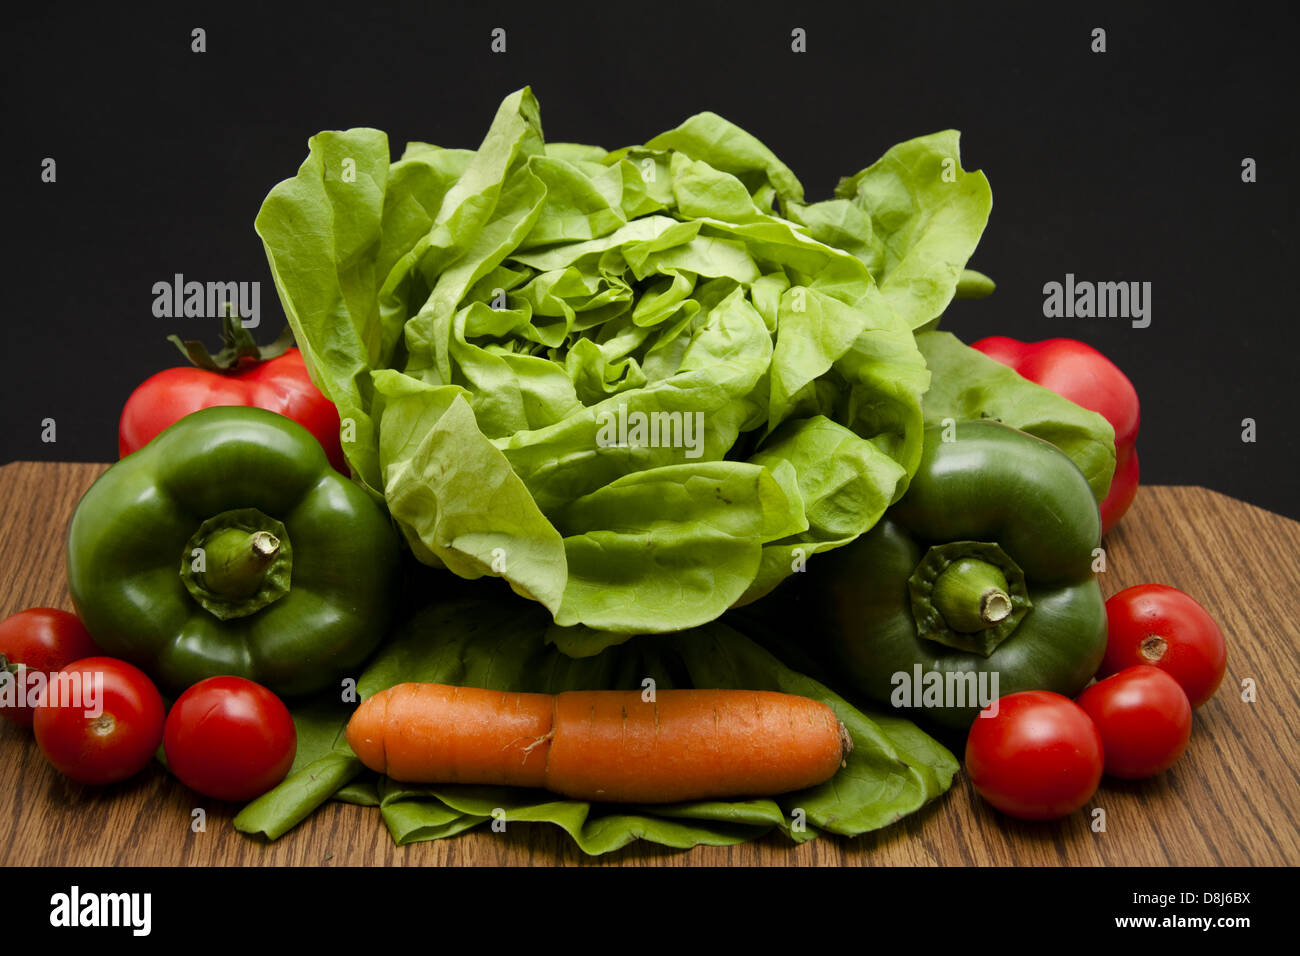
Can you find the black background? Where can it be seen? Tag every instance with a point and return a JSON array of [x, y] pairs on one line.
[[1122, 166]]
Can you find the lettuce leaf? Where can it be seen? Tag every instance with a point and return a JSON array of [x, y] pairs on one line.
[[640, 386], [477, 638], [914, 218]]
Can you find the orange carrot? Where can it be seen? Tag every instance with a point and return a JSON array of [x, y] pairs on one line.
[[602, 745]]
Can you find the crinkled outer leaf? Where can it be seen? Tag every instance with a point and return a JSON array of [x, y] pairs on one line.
[[454, 495], [481, 638], [967, 384], [840, 485], [722, 514], [324, 237], [580, 370], [914, 218]]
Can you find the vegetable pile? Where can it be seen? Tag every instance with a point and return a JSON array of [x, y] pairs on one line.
[[641, 388], [641, 385], [479, 639]]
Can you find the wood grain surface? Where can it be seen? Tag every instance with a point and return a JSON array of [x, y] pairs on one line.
[[1234, 798]]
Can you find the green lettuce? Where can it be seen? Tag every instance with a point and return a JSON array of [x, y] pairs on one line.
[[486, 639], [640, 386]]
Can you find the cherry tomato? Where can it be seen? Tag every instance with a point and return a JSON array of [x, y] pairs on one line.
[[1160, 625], [41, 640], [229, 738], [101, 721], [1144, 720], [1038, 757]]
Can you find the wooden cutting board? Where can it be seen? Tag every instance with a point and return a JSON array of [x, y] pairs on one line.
[[1234, 798]]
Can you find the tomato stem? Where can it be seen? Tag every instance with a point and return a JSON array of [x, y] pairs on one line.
[[238, 347], [103, 726], [1153, 648]]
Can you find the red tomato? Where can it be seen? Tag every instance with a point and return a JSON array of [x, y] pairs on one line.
[[279, 385], [1160, 625], [1123, 488], [101, 721], [1038, 758], [43, 640], [230, 738], [1144, 720]]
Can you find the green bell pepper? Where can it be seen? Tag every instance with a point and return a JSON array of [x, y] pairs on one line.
[[978, 583], [229, 545]]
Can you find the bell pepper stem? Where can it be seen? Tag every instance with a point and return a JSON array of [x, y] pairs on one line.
[[968, 595], [246, 563], [972, 595], [236, 561]]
